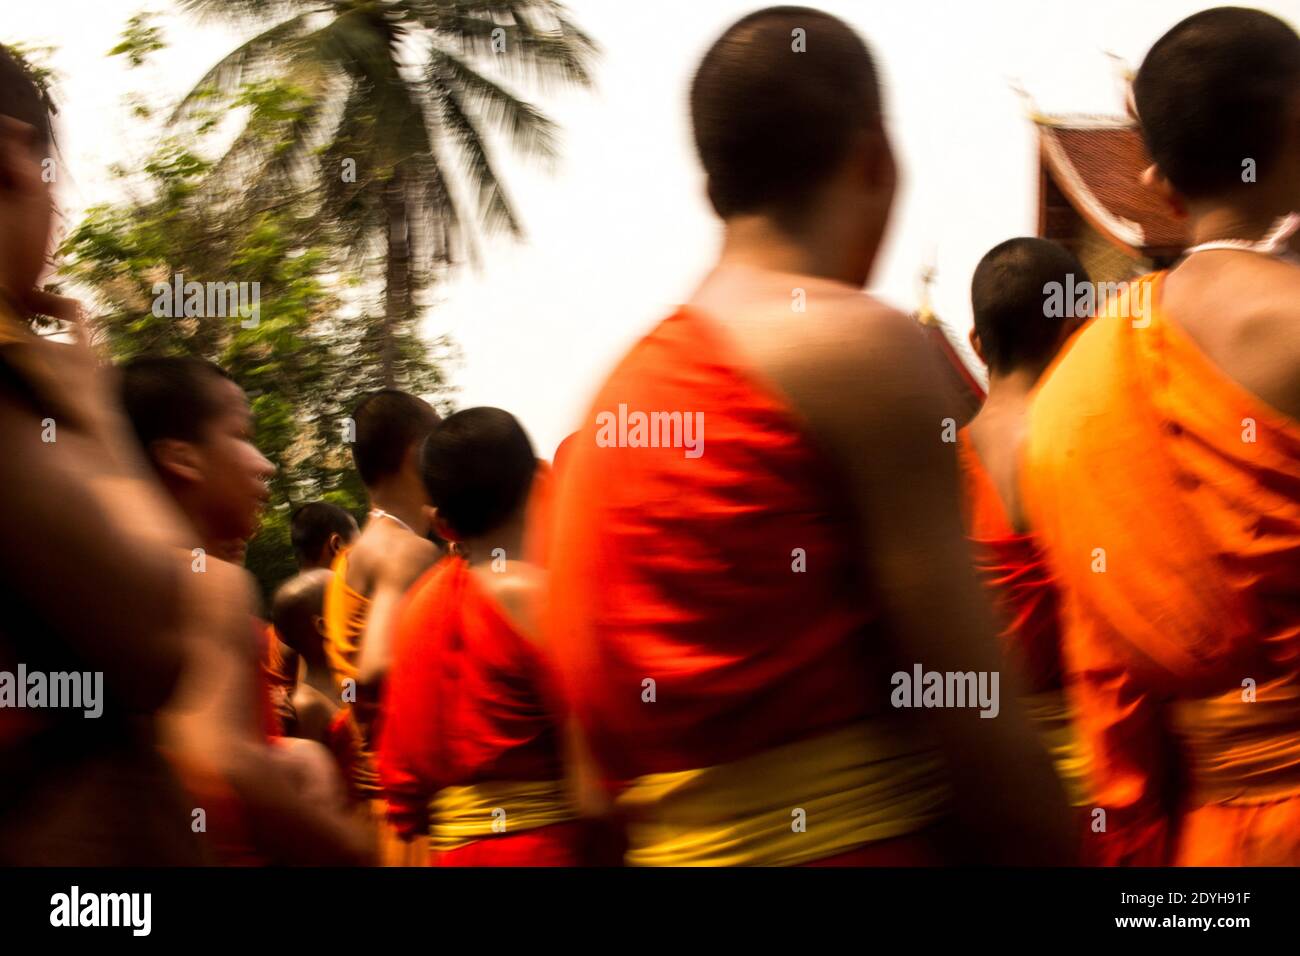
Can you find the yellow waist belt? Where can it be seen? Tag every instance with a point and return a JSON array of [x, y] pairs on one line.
[[1055, 722], [1238, 752], [460, 815], [793, 804]]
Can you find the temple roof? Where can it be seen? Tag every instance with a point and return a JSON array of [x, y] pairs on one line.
[[1097, 162]]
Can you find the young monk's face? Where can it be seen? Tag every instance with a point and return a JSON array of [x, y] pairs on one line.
[[26, 205], [234, 473]]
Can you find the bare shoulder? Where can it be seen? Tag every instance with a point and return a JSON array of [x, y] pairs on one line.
[[411, 556], [856, 367], [519, 589], [389, 557], [1246, 319], [1272, 339], [223, 603], [315, 712]]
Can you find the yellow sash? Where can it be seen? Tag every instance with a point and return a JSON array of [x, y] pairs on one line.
[[1238, 751], [796, 803], [344, 611], [461, 815], [1054, 720]]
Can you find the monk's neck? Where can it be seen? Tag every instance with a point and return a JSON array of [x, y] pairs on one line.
[[506, 542], [205, 536], [1006, 403], [404, 503], [1210, 223], [1011, 389], [319, 677], [756, 242]]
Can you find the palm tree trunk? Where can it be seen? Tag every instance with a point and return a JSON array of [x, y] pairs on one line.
[[397, 295]]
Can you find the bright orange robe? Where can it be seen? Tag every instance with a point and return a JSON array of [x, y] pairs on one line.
[[473, 713], [345, 611], [712, 632], [272, 695], [1167, 498], [539, 514]]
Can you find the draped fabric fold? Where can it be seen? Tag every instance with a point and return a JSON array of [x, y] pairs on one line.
[[473, 716], [1167, 498], [708, 609]]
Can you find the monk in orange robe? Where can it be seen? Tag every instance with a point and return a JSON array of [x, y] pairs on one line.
[[759, 522], [262, 801], [1017, 338], [472, 757], [319, 530], [1162, 474], [369, 579], [89, 579]]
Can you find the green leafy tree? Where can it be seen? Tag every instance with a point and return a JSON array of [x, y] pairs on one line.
[[396, 104], [305, 360]]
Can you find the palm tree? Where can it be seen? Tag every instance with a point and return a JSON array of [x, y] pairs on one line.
[[388, 108]]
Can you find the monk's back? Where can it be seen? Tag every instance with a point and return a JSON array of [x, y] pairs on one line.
[[1243, 312], [1162, 473], [705, 537]]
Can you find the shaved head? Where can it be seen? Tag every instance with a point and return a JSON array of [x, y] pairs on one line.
[[295, 612], [478, 466], [389, 424], [1008, 297], [776, 105], [1220, 88]]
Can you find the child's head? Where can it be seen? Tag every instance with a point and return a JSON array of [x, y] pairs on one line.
[[26, 186], [477, 467]]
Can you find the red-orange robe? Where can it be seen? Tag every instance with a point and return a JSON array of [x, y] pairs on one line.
[[711, 629], [1019, 580], [472, 710], [1167, 498], [1023, 589]]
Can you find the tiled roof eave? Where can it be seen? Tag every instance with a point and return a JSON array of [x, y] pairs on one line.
[[1127, 235]]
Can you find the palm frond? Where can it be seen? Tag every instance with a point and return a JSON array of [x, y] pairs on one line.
[[256, 11], [242, 64], [527, 128], [495, 210], [525, 39]]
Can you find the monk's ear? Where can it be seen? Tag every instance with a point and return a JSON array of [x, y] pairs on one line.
[[334, 545], [1154, 180], [318, 622], [439, 524], [977, 347], [176, 459]]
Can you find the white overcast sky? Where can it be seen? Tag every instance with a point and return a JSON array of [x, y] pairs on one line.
[[621, 231]]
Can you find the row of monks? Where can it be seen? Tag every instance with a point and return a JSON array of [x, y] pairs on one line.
[[677, 652]]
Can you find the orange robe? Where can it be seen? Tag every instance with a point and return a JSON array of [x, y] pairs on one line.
[[272, 693], [1167, 498], [1023, 589], [1013, 567], [712, 633], [345, 611], [470, 749]]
